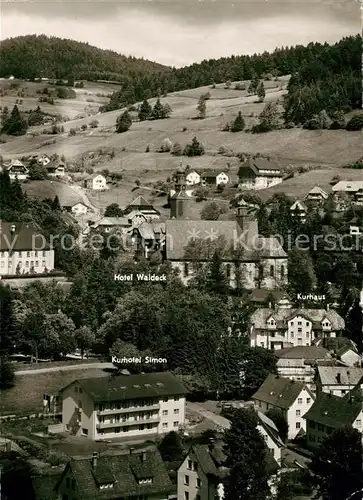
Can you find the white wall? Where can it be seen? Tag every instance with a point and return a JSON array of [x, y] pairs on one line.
[[296, 412], [167, 420], [39, 259]]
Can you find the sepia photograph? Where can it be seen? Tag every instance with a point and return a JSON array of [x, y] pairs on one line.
[[181, 250]]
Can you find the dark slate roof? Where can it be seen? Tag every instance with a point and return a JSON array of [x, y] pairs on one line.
[[209, 460], [340, 375], [303, 352], [124, 387], [25, 237], [138, 202], [282, 316], [254, 165], [278, 391], [124, 471], [334, 411]]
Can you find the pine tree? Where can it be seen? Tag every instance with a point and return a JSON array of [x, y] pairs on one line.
[[238, 124], [123, 122], [145, 111], [252, 89], [158, 112], [195, 148], [15, 125], [202, 107], [261, 92]]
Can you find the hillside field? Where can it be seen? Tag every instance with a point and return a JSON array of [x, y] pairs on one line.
[[320, 149]]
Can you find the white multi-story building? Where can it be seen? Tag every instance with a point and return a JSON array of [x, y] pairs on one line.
[[259, 173], [277, 328], [126, 405], [294, 399], [23, 250], [95, 182]]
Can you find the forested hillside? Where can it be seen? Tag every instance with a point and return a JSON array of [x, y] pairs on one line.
[[35, 56], [324, 77]]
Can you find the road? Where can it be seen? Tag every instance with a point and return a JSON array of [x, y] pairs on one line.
[[216, 419], [65, 368]]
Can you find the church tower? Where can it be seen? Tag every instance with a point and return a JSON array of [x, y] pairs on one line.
[[179, 201]]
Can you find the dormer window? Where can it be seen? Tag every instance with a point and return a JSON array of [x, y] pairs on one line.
[[147, 480], [106, 486]]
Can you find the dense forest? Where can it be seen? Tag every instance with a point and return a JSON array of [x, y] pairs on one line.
[[324, 77]]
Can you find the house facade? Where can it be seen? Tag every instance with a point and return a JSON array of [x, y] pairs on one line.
[[316, 195], [337, 380], [43, 160], [149, 238], [17, 170], [24, 250], [107, 477], [78, 209], [95, 182], [128, 406], [56, 169], [142, 206], [346, 192], [192, 178], [331, 412], [213, 178], [259, 173], [298, 363], [200, 475], [299, 210], [294, 399], [110, 224], [270, 434], [278, 328]]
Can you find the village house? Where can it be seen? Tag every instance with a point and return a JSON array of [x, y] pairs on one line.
[[344, 350], [17, 170], [282, 327], [271, 436], [298, 363], [136, 475], [24, 250], [299, 210], [110, 224], [316, 196], [259, 173], [56, 169], [346, 192], [149, 239], [256, 261], [294, 399], [192, 178], [201, 474], [95, 182], [43, 160], [126, 405], [142, 206], [214, 178], [331, 412], [78, 209], [337, 380]]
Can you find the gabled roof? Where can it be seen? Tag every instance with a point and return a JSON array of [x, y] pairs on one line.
[[256, 165], [25, 237], [348, 186], [212, 173], [271, 429], [340, 375], [282, 316], [298, 204], [94, 176], [209, 459], [318, 190], [18, 165], [138, 202], [303, 352], [278, 391], [123, 387], [334, 411], [124, 471], [112, 221]]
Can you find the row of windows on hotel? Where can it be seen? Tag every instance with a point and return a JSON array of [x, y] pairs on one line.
[[139, 403], [27, 263], [141, 427], [28, 253], [228, 271]]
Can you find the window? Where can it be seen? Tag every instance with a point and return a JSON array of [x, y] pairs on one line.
[[36, 253], [282, 272], [44, 253], [299, 401], [73, 484], [176, 424], [186, 269], [307, 323], [44, 263], [2, 264], [37, 263], [68, 483], [307, 335], [299, 323], [84, 431], [190, 464], [299, 330], [176, 398], [228, 270], [186, 480], [308, 400], [166, 400], [292, 335], [165, 412], [32, 263], [272, 271], [199, 482], [28, 254], [343, 391], [76, 389], [298, 413], [176, 411], [298, 425], [358, 423], [165, 425], [195, 466], [186, 495]]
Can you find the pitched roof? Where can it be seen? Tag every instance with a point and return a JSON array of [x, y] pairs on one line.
[[212, 173], [257, 164], [112, 221], [94, 176], [138, 202], [348, 186], [318, 190], [334, 411], [124, 471], [180, 233], [340, 375], [278, 391], [270, 428], [135, 213], [303, 352], [123, 387], [340, 345], [282, 316], [298, 204], [209, 459], [25, 237]]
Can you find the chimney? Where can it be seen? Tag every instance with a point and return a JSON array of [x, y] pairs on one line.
[[94, 459], [327, 307], [132, 451], [143, 456]]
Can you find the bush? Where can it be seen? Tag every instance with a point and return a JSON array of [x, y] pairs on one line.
[[166, 146], [72, 131], [177, 149], [6, 373], [184, 129], [240, 86], [261, 128], [195, 148], [93, 123], [355, 123], [84, 127]]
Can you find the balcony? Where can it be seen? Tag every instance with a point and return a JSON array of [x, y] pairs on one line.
[[128, 423], [131, 409]]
